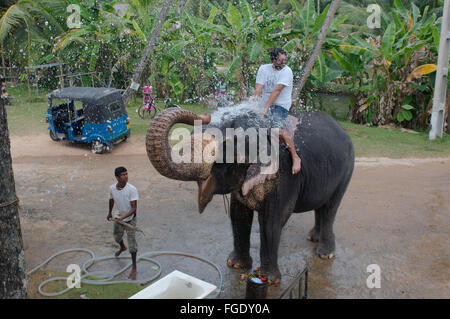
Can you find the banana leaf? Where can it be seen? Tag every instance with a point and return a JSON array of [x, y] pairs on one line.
[[436, 37], [94, 56], [320, 19], [234, 65], [408, 49], [234, 18], [320, 68], [212, 14], [292, 44], [246, 12], [343, 61], [358, 50], [309, 12], [255, 51], [398, 4], [139, 31], [388, 41]]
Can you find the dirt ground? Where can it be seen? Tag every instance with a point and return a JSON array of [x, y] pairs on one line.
[[395, 214]]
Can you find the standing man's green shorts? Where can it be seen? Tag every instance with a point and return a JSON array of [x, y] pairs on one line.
[[119, 231]]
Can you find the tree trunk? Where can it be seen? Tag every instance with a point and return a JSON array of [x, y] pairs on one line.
[[3, 62], [314, 53], [115, 68], [13, 283], [148, 50], [242, 91], [181, 4]]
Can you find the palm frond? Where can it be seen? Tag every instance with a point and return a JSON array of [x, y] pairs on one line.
[[13, 18], [37, 9], [356, 15]]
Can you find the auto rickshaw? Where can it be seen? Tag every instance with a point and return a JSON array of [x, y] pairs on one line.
[[90, 115]]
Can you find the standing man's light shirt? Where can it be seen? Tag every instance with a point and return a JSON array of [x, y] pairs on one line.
[[122, 199], [269, 78]]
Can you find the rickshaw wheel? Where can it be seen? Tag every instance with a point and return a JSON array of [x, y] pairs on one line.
[[98, 147], [52, 136]]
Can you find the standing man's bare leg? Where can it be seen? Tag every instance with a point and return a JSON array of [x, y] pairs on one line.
[[121, 249], [132, 275]]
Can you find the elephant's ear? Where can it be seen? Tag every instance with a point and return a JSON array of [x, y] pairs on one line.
[[259, 181]]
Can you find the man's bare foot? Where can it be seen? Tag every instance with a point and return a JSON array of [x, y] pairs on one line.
[[132, 275], [296, 165], [122, 249]]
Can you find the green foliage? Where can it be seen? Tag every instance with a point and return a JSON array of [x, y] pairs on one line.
[[217, 37], [405, 113], [306, 24], [379, 69]]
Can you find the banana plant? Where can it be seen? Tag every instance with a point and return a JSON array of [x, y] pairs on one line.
[[183, 58], [237, 35], [241, 38], [306, 23], [251, 32], [325, 70], [380, 68]]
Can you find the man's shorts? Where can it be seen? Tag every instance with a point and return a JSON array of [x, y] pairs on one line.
[[277, 115], [131, 235]]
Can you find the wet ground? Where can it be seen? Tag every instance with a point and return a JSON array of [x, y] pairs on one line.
[[395, 214]]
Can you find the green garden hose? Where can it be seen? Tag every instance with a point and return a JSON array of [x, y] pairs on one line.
[[107, 276]]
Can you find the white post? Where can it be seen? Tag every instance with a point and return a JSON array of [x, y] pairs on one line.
[[440, 87]]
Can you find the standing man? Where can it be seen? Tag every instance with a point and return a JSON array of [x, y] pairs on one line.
[[274, 87], [124, 196]]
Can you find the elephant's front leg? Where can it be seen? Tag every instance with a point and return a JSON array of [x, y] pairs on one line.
[[241, 223], [270, 233]]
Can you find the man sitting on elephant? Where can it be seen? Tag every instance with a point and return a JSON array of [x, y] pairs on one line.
[[273, 89]]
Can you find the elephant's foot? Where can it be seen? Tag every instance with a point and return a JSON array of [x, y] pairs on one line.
[[313, 235], [239, 262], [326, 251], [273, 276]]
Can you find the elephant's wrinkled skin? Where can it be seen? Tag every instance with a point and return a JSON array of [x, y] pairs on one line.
[[327, 166]]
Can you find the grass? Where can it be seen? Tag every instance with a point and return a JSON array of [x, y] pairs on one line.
[[26, 116], [139, 126], [113, 291], [393, 143]]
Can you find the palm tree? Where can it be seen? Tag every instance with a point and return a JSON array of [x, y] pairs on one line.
[[13, 282], [105, 40], [148, 50], [310, 26], [38, 19]]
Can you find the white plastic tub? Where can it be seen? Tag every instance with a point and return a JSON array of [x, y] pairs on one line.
[[176, 285]]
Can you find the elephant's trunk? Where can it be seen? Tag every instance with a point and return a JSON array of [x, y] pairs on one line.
[[159, 150]]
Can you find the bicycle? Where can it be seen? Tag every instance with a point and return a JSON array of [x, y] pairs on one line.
[[148, 109]]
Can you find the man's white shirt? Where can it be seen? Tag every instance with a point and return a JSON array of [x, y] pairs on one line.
[[270, 78], [122, 199]]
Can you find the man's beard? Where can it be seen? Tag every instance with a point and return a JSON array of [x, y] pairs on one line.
[[278, 67]]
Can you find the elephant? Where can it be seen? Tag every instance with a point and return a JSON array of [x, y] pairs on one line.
[[327, 158]]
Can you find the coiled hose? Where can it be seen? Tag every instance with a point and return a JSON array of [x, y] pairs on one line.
[[107, 276]]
